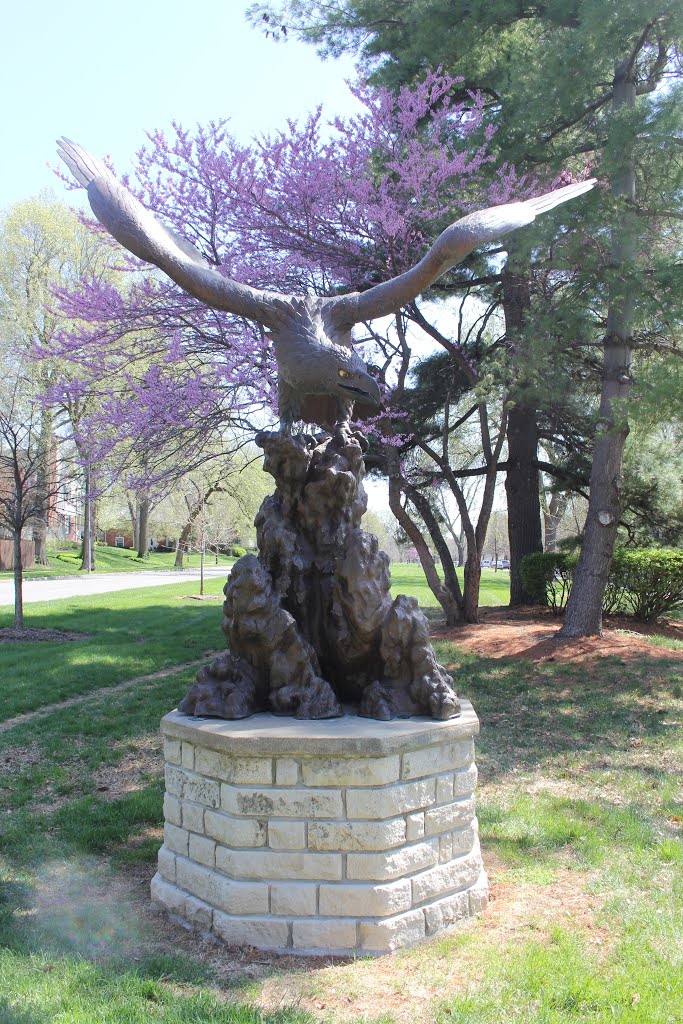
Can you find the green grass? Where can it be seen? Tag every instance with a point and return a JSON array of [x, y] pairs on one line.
[[580, 787], [409, 579], [67, 562], [126, 634]]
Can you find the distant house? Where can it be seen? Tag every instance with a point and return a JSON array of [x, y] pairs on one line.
[[118, 539]]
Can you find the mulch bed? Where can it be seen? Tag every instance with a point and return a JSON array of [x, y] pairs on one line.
[[531, 634]]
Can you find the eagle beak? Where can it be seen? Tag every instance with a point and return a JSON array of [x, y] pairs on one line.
[[366, 390]]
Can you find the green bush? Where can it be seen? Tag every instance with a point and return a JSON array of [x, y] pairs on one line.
[[547, 577], [237, 551], [652, 580], [646, 581]]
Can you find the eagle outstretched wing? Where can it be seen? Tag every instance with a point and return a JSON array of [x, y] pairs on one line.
[[450, 248], [141, 233]]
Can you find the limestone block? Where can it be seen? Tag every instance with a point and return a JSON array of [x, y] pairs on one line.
[[396, 864], [235, 832], [445, 848], [201, 790], [286, 771], [441, 757], [202, 850], [365, 900], [187, 758], [287, 835], [217, 890], [450, 816], [444, 788], [172, 751], [245, 771], [415, 825], [172, 809], [464, 839], [356, 835], [166, 864], [282, 803], [175, 838], [336, 936], [478, 894], [279, 864], [390, 801], [264, 933], [446, 912], [464, 782], [385, 936], [193, 816], [197, 913], [294, 899], [170, 897], [175, 777], [459, 874], [351, 771]]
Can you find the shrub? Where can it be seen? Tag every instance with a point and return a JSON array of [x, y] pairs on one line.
[[652, 580], [547, 576], [615, 598], [237, 552]]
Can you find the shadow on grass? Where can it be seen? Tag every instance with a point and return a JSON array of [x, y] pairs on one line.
[[532, 714], [135, 636]]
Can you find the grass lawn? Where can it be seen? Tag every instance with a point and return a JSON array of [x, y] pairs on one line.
[[580, 809], [107, 559]]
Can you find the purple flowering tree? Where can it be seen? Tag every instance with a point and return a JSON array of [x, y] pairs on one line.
[[313, 208]]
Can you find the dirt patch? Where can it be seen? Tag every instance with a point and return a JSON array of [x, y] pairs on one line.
[[17, 759], [132, 772], [407, 986], [532, 635], [9, 635]]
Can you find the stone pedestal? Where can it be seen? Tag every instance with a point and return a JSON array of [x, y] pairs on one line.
[[345, 836]]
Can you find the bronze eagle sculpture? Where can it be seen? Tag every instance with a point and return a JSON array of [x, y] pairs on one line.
[[311, 335]]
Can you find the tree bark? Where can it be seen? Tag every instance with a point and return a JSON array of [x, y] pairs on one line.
[[88, 544], [18, 582], [522, 479], [135, 521], [583, 616], [552, 517], [143, 528]]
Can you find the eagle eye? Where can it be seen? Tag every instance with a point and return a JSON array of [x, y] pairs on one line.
[[344, 373]]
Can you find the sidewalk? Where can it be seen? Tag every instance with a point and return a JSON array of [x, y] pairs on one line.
[[102, 583]]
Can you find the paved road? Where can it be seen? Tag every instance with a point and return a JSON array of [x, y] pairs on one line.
[[101, 583]]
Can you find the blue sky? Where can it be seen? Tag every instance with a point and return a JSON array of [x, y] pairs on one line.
[[103, 74]]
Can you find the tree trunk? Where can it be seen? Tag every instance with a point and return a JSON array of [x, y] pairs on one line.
[[451, 581], [135, 521], [183, 541], [552, 517], [18, 582], [471, 584], [88, 545], [143, 528], [44, 487], [522, 479], [440, 592], [583, 616]]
